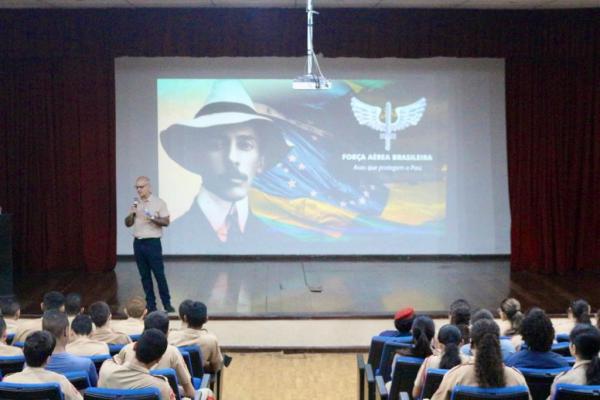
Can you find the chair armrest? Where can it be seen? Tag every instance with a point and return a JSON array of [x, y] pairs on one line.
[[205, 381], [382, 392], [369, 382], [404, 396]]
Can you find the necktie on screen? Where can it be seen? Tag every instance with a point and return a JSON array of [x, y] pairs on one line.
[[232, 224]]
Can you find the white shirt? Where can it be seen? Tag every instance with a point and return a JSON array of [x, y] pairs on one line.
[[216, 210], [143, 228]]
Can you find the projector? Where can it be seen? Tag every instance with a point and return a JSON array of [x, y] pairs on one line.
[[311, 82]]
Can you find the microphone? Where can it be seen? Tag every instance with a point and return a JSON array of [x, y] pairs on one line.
[[135, 202]]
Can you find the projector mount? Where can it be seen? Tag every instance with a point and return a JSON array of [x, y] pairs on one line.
[[311, 80]]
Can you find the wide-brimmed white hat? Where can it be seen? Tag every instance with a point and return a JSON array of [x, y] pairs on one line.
[[227, 103]]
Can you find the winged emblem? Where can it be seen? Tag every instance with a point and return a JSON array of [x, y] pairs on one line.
[[370, 115]]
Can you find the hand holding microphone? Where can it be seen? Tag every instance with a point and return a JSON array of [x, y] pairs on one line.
[[133, 209]]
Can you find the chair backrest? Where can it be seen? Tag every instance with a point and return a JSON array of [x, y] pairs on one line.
[[135, 337], [115, 348], [433, 378], [562, 337], [561, 348], [18, 344], [98, 360], [571, 360], [30, 391], [387, 356], [171, 375], [187, 359], [540, 380], [461, 392], [121, 394], [376, 347], [405, 373], [10, 364], [9, 338], [566, 391], [79, 379], [195, 358]]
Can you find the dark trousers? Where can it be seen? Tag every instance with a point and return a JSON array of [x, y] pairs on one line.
[[148, 256]]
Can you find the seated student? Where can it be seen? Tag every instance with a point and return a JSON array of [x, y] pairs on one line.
[[73, 306], [423, 331], [460, 316], [505, 344], [6, 350], [538, 333], [136, 311], [585, 345], [57, 324], [172, 357], [52, 301], [403, 320], [37, 349], [135, 374], [182, 311], [81, 344], [101, 316], [511, 315], [486, 368], [449, 340], [195, 334], [578, 313], [11, 311]]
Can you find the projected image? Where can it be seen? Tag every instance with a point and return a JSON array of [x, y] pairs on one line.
[[252, 166]]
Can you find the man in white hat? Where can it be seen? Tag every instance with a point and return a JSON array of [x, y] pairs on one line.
[[228, 143]]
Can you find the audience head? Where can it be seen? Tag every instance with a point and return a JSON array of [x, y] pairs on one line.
[[423, 331], [82, 325], [53, 301], [580, 311], [100, 313], [136, 307], [510, 309], [403, 319], [450, 337], [73, 304], [585, 345], [460, 316], [57, 323], [151, 346], [196, 315], [10, 308], [537, 330], [38, 347], [184, 307], [157, 320], [481, 314], [485, 342]]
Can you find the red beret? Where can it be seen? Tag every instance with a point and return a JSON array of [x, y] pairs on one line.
[[404, 313]]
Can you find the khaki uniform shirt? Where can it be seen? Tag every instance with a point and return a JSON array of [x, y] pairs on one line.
[[143, 227], [108, 335], [433, 362], [575, 375], [213, 359], [9, 351], [130, 326], [40, 375], [132, 376], [11, 325], [171, 359], [464, 374], [84, 346], [25, 327]]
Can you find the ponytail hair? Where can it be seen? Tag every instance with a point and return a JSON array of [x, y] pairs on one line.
[[460, 316], [423, 330], [581, 311], [512, 308], [489, 368], [586, 339], [450, 336]]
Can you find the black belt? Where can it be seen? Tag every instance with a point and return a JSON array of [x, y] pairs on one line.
[[147, 238]]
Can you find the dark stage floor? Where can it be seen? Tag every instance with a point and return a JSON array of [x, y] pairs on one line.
[[258, 289]]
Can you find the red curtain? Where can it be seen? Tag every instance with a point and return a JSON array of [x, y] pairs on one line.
[[57, 128]]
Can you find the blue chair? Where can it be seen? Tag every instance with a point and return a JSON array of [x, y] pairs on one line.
[[562, 337], [561, 348], [11, 364], [461, 392], [387, 356], [18, 344], [135, 338], [196, 359], [376, 347], [99, 360], [570, 360], [79, 379], [121, 394], [171, 375], [115, 348], [30, 391], [403, 378], [540, 380], [433, 378], [567, 391], [9, 338]]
